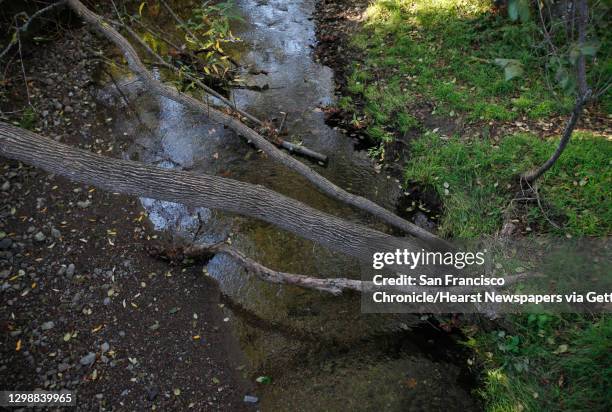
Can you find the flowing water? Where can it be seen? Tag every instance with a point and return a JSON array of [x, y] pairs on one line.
[[320, 351]]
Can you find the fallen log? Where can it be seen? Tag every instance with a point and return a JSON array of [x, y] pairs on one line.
[[200, 190], [327, 187]]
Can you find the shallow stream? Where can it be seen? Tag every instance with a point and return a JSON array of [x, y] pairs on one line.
[[320, 351]]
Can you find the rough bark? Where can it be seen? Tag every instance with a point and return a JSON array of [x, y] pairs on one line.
[[199, 190], [138, 179], [259, 141], [334, 286]]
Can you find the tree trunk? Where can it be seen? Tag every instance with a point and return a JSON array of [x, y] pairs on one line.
[[196, 190], [534, 175], [584, 94]]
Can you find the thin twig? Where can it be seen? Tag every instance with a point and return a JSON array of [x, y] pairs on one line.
[[25, 78], [24, 27], [180, 22], [282, 125], [534, 190], [189, 76]]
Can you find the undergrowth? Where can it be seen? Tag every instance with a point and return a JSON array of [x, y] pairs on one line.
[[440, 56]]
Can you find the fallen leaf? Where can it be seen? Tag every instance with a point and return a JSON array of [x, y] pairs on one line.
[[411, 383], [264, 379]]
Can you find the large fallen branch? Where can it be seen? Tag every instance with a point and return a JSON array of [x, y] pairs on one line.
[[138, 179], [259, 141], [335, 286], [200, 190]]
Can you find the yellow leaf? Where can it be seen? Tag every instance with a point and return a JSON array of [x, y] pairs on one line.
[[97, 328], [18, 346], [141, 7]]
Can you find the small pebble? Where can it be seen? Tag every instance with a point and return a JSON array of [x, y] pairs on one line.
[[88, 359], [250, 399], [47, 325]]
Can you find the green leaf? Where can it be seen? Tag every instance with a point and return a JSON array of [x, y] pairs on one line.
[[519, 9], [524, 10], [574, 54], [564, 79], [587, 49], [264, 379]]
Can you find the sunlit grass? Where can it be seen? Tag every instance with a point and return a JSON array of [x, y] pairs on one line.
[[426, 59], [473, 177], [442, 52]]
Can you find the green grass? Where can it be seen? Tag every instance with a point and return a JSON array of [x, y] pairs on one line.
[[545, 363], [548, 363], [473, 178], [28, 118], [442, 52]]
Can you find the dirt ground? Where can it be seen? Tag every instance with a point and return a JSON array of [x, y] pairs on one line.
[[83, 305]]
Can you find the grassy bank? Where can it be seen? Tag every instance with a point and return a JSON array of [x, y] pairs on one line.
[[428, 76], [547, 363], [476, 179]]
